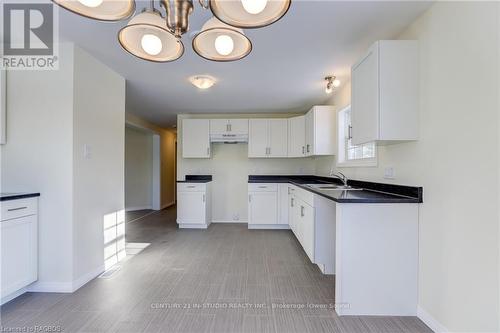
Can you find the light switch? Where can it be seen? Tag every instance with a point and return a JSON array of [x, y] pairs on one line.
[[87, 152], [389, 173]]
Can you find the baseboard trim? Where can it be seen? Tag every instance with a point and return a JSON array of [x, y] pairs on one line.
[[65, 287], [192, 226], [269, 226], [168, 205], [229, 221], [430, 321], [15, 294], [131, 209]]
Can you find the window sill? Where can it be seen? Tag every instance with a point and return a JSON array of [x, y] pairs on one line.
[[358, 164]]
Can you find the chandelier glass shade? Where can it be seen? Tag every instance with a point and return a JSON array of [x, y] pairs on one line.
[[218, 41], [102, 10], [147, 36], [249, 14]]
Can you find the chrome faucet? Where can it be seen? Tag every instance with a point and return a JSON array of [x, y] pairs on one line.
[[343, 178]]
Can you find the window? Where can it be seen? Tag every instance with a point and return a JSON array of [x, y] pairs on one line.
[[349, 154]]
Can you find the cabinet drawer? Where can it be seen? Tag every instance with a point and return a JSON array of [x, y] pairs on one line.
[[18, 208], [262, 187], [304, 195], [191, 187]]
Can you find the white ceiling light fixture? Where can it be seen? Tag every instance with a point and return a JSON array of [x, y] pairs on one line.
[[202, 81], [218, 41], [147, 36], [248, 14], [332, 82], [102, 10]]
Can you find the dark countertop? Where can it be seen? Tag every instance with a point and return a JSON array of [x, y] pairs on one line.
[[370, 193], [196, 179], [16, 196]]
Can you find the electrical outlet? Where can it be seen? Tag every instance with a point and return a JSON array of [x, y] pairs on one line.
[[236, 217], [389, 173]]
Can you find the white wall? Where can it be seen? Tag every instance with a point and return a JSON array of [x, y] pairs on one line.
[[138, 169], [38, 157], [455, 161], [230, 167], [98, 121], [50, 115]]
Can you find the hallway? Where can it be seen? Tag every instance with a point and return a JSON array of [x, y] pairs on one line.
[[224, 279]]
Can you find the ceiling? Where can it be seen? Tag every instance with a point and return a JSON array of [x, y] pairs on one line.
[[284, 72]]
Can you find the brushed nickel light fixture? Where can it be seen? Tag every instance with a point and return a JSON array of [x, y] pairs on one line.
[[155, 35], [218, 41], [249, 14], [202, 81], [332, 82], [102, 10]]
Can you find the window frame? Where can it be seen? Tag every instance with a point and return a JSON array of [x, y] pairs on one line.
[[342, 160]]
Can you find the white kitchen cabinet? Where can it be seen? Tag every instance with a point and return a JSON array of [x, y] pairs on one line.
[[19, 246], [228, 127], [297, 136], [265, 206], [193, 205], [196, 138], [306, 227], [268, 138], [321, 131], [384, 97]]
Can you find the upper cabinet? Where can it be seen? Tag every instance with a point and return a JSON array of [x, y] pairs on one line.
[[268, 138], [195, 138], [321, 131], [297, 136], [228, 127], [384, 96]]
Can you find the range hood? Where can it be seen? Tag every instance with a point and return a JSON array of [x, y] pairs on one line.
[[229, 138]]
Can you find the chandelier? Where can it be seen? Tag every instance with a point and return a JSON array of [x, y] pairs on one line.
[[155, 34]]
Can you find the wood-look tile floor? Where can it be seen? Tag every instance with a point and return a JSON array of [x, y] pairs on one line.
[[224, 279]]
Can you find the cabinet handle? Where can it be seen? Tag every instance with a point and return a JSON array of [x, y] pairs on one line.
[[208, 151], [203, 197], [303, 150], [308, 146], [227, 127], [14, 209], [349, 132], [262, 186], [230, 128], [249, 198], [302, 211], [291, 202], [191, 186]]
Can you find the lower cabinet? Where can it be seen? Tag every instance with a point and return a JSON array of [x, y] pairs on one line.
[[194, 205], [19, 246], [312, 220], [265, 206]]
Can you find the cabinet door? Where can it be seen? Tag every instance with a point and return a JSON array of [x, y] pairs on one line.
[[263, 208], [365, 98], [283, 204], [307, 229], [278, 138], [219, 126], [297, 136], [196, 138], [258, 138], [19, 253], [309, 124], [238, 126], [191, 207]]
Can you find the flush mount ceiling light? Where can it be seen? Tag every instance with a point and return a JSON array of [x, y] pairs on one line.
[[147, 36], [248, 14], [218, 41], [103, 10], [155, 35], [332, 82], [202, 81]]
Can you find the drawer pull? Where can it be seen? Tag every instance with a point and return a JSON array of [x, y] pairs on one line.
[[191, 186], [15, 209], [302, 211], [262, 186]]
